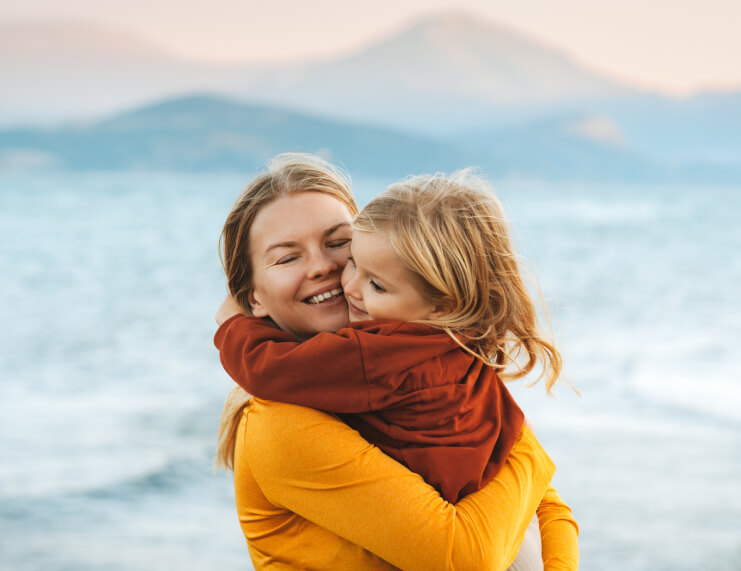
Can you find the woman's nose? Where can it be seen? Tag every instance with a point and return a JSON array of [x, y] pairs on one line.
[[321, 265]]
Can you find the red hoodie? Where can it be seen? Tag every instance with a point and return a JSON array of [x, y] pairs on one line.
[[406, 387]]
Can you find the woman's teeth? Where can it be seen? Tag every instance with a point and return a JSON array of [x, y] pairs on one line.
[[325, 296]]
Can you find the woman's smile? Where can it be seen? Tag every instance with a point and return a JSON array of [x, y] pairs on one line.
[[300, 244], [324, 296]]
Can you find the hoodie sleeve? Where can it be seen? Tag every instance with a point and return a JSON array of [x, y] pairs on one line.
[[558, 533], [325, 372], [353, 370]]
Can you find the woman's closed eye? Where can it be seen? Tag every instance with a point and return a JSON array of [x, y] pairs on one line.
[[286, 259], [339, 243]]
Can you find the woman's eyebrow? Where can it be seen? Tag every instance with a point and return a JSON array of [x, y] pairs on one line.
[[279, 245], [336, 227], [291, 244]]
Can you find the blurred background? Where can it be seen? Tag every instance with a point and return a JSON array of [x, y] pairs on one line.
[[612, 134]]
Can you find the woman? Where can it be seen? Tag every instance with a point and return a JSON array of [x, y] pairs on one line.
[[311, 493]]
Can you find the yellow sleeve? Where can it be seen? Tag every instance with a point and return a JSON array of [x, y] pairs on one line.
[[558, 533], [313, 465]]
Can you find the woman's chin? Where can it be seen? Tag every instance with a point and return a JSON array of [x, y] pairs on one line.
[[329, 315]]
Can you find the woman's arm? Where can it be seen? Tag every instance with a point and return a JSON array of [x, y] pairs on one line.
[[558, 533], [311, 464]]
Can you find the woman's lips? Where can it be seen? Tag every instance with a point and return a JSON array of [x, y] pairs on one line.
[[328, 293], [333, 302]]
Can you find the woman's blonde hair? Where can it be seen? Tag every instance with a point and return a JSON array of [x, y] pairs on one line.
[[452, 234], [286, 174]]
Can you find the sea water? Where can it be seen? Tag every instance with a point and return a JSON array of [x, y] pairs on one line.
[[110, 388]]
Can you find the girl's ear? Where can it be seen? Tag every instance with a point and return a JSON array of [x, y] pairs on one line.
[[258, 310], [440, 310]]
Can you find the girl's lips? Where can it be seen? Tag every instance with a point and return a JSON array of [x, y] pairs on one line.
[[355, 311]]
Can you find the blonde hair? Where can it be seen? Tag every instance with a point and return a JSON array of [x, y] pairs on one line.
[[452, 234], [286, 174]]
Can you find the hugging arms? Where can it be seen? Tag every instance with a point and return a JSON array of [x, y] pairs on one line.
[[311, 493]]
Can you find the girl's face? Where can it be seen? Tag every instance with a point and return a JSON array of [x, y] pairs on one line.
[[299, 245], [377, 285]]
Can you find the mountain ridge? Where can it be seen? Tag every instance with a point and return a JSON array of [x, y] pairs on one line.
[[206, 133], [448, 62], [442, 78]]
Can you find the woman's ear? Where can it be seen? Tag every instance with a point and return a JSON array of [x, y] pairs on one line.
[[258, 310]]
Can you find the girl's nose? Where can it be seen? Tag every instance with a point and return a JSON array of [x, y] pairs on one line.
[[349, 281]]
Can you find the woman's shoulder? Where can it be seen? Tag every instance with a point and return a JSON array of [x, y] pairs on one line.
[[270, 411], [291, 439], [276, 420], [527, 445]]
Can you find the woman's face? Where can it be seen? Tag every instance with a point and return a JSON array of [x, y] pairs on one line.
[[299, 245]]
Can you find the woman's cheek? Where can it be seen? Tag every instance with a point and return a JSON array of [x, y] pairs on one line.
[[343, 256], [285, 283], [347, 275]]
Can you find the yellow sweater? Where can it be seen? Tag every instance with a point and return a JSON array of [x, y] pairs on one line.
[[313, 494]]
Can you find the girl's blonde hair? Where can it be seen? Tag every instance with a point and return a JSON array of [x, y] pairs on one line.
[[452, 234], [286, 174]]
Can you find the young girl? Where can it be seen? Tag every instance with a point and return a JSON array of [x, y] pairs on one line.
[[440, 313]]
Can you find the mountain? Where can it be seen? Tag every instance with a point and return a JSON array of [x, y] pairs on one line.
[[214, 134], [705, 127], [207, 133], [57, 71], [566, 147], [447, 71], [456, 81]]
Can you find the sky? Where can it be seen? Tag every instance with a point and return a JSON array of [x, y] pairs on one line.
[[666, 45]]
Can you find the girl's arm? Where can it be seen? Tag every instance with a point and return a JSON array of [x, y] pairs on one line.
[[349, 371], [323, 372], [313, 465], [558, 533]]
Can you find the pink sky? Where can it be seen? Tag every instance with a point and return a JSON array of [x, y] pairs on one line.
[[677, 47]]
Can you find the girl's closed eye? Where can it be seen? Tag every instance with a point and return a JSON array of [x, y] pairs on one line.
[[377, 287]]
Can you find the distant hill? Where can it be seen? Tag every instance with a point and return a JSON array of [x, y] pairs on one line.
[[207, 133], [452, 76], [58, 71], [706, 127], [580, 146], [449, 70], [446, 72], [566, 147]]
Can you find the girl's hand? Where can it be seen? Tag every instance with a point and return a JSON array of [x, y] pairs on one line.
[[227, 309]]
